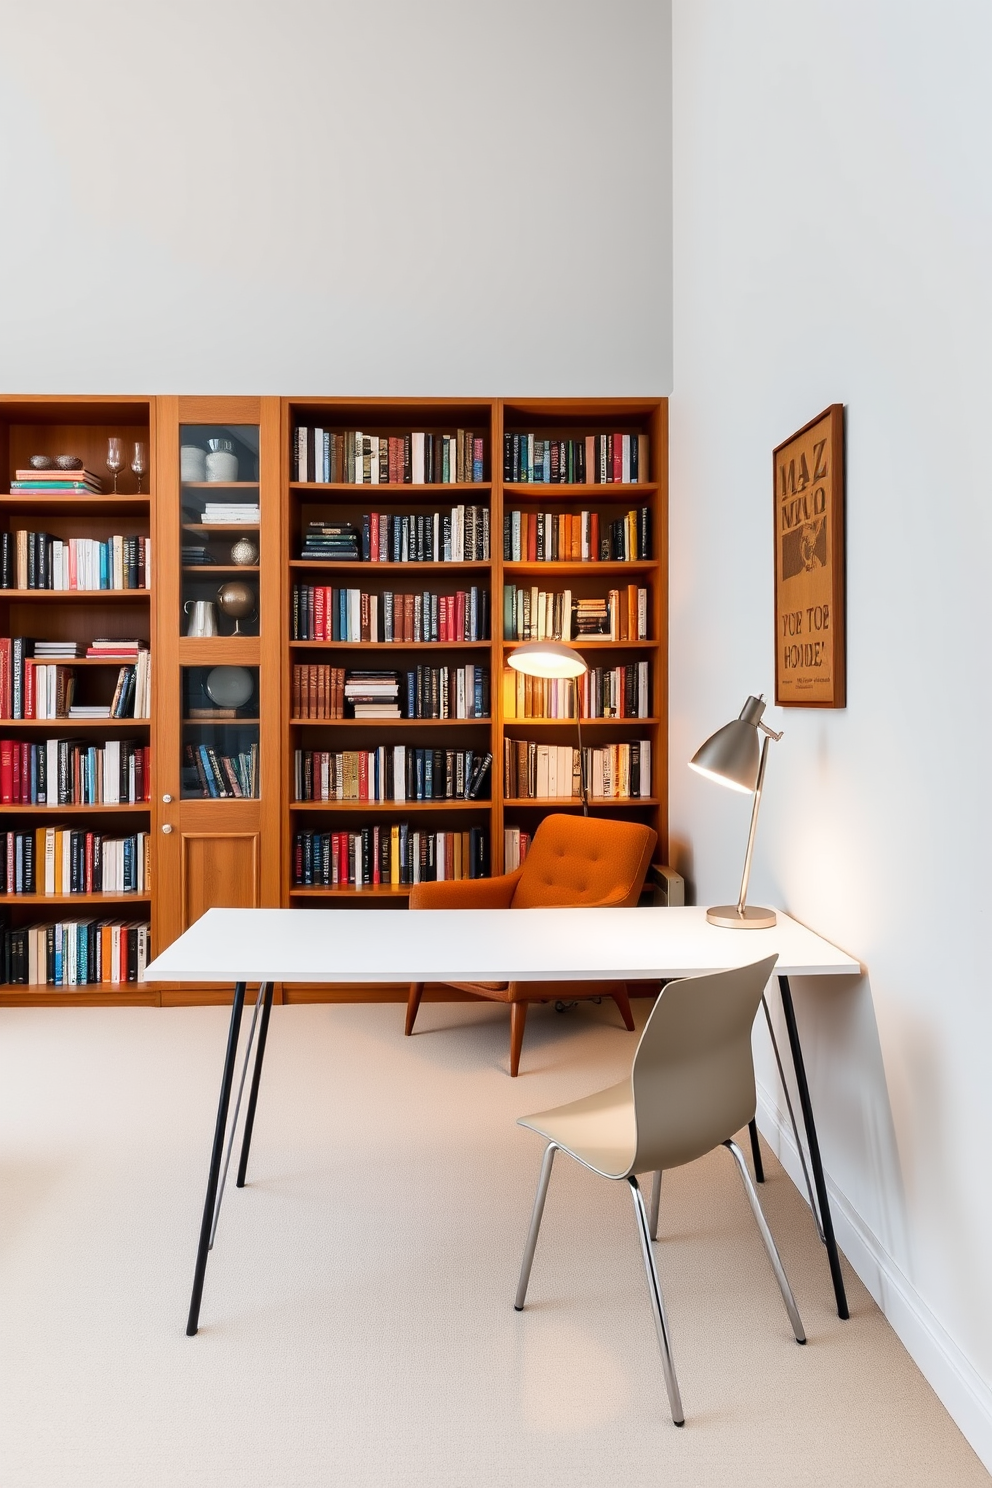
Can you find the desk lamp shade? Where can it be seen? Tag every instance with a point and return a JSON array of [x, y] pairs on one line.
[[555, 659], [733, 757]]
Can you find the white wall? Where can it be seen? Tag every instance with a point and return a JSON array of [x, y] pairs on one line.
[[832, 210], [360, 197]]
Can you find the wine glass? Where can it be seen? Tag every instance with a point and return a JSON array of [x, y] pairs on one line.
[[139, 461], [115, 459]]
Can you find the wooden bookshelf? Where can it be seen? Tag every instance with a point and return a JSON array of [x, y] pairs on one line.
[[238, 851], [78, 426]]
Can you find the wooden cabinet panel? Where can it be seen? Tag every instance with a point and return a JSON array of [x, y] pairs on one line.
[[219, 869]]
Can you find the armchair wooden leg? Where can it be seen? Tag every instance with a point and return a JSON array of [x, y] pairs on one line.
[[412, 1004], [518, 1020], [619, 995]]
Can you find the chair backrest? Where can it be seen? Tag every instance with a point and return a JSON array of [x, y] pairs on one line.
[[575, 860], [693, 1075]]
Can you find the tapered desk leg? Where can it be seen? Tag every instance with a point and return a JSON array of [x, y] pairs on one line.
[[759, 1171], [227, 1080], [812, 1143], [255, 1078]]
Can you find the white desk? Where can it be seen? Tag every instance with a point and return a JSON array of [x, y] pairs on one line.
[[340, 945]]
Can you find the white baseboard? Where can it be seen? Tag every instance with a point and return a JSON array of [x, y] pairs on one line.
[[965, 1395]]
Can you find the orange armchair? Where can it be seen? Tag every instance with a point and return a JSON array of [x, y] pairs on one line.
[[573, 861]]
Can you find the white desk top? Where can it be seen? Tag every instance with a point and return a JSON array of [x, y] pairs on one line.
[[464, 945]]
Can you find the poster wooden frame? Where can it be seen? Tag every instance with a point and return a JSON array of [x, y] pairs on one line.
[[789, 692]]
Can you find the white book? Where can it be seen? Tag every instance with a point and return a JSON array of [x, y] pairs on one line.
[[374, 471], [531, 473], [399, 772], [625, 461], [645, 784], [460, 693], [318, 456], [354, 614], [417, 459], [643, 700]]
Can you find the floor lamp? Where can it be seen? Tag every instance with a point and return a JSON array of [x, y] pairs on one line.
[[731, 757], [555, 659]]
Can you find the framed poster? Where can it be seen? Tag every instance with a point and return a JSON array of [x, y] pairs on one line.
[[809, 565]]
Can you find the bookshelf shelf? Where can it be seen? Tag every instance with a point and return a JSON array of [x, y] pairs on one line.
[[220, 526], [61, 596], [574, 803], [563, 491], [395, 808], [630, 724], [86, 506], [577, 566], [69, 725], [391, 647], [96, 808], [372, 891], [221, 568], [404, 490], [60, 900], [358, 565], [593, 643], [392, 723], [250, 485], [93, 994]]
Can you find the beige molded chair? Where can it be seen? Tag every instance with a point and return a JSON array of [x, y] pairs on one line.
[[691, 1087]]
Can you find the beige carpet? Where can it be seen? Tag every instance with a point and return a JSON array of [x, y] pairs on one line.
[[357, 1326]]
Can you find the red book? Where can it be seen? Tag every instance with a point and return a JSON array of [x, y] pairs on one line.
[[442, 618], [89, 866], [319, 613], [617, 440], [7, 747], [29, 703], [594, 537], [343, 855], [460, 615], [376, 871], [374, 537], [529, 520]]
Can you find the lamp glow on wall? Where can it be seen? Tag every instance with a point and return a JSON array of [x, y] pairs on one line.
[[555, 659], [731, 757]]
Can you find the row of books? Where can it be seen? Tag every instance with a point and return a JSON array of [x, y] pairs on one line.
[[515, 847], [75, 953], [32, 686], [392, 772], [37, 560], [73, 772], [31, 482], [209, 773], [323, 692], [321, 613], [604, 692], [601, 459], [394, 854], [228, 513], [323, 456], [72, 860], [577, 537], [534, 614], [458, 536], [544, 772]]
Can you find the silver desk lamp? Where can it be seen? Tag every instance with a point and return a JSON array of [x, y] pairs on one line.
[[731, 757], [555, 659]]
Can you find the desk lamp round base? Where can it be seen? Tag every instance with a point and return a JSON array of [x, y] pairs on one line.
[[729, 917]]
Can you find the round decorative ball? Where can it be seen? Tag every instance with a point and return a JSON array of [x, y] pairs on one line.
[[68, 462], [229, 686], [235, 599], [244, 553], [41, 462]]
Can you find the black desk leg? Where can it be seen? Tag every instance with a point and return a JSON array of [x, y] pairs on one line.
[[759, 1171], [253, 1093], [812, 1143], [227, 1080]]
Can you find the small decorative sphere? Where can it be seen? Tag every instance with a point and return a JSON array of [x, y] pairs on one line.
[[244, 552], [41, 462], [235, 599], [68, 462]]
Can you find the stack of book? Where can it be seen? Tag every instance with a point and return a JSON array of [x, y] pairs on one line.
[[534, 771], [75, 953], [576, 537], [533, 614], [56, 483], [603, 692], [390, 773], [70, 860], [602, 459], [224, 513], [515, 845], [394, 854], [72, 772], [321, 613], [55, 650], [324, 457], [214, 775], [447, 692], [373, 694], [327, 541], [195, 555], [36, 560], [318, 692]]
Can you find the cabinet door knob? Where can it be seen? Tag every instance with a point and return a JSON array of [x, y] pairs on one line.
[[167, 800], [167, 828]]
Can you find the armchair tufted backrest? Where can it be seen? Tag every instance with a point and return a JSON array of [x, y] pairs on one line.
[[575, 860]]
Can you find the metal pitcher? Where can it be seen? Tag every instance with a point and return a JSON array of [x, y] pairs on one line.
[[203, 619]]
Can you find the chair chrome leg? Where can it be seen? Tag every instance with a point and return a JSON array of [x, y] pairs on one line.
[[657, 1304], [792, 1118], [770, 1246], [655, 1205], [535, 1225]]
